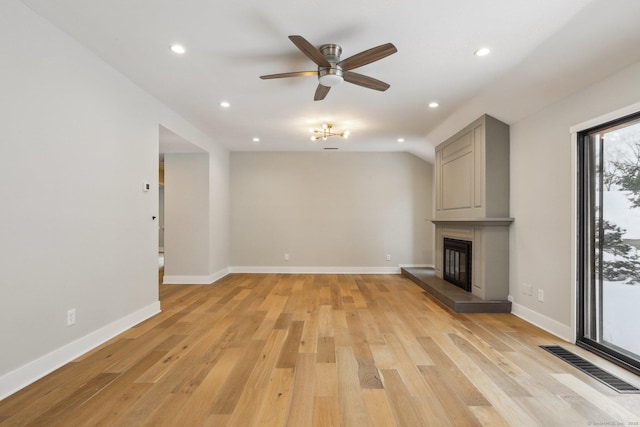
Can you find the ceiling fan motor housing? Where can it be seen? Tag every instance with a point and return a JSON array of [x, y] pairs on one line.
[[331, 76]]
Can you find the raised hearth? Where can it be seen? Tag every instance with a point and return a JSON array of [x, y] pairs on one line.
[[452, 296]]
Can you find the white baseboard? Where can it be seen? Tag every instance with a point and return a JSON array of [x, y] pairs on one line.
[[315, 270], [543, 322], [33, 371], [195, 280]]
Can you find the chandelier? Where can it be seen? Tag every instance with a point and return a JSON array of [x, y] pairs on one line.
[[326, 132]]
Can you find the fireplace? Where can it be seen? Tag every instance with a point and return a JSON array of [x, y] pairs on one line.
[[456, 266], [472, 205]]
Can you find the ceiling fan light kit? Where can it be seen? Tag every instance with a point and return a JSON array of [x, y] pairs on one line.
[[333, 75], [330, 77], [332, 71]]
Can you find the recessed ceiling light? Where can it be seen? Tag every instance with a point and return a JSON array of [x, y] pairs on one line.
[[256, 139], [482, 52], [178, 48], [225, 104], [400, 139], [433, 104]]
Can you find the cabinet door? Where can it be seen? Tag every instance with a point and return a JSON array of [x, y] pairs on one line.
[[456, 174]]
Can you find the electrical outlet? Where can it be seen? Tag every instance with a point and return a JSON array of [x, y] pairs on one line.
[[540, 295], [71, 317], [388, 257], [527, 289], [286, 257]]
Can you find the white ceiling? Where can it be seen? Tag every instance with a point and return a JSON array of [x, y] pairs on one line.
[[542, 50]]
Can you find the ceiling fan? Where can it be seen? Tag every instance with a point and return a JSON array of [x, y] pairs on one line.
[[332, 70]]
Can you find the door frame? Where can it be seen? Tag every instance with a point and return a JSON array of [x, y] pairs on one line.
[[578, 149]]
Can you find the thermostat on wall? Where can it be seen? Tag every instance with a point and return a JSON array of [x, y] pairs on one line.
[[146, 187]]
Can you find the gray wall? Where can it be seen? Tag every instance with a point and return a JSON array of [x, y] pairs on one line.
[[541, 197], [336, 209], [186, 214], [76, 229]]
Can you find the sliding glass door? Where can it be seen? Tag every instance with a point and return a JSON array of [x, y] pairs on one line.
[[609, 240]]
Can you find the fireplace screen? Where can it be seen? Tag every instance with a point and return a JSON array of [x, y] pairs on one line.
[[457, 263]]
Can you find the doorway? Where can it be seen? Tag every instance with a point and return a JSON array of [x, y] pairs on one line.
[[176, 251]]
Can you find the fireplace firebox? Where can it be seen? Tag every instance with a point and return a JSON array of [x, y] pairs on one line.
[[457, 263]]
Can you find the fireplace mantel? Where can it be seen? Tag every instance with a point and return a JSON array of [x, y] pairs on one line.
[[487, 222]]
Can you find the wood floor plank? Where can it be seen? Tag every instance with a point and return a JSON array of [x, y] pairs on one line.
[[301, 408], [197, 409], [357, 335], [503, 381], [469, 394], [370, 327], [488, 416], [383, 357], [326, 350], [75, 400], [320, 350], [326, 412], [114, 408], [225, 400], [34, 400], [480, 332], [215, 343], [613, 409], [289, 352], [252, 396], [404, 410], [353, 411], [326, 380], [309, 339], [408, 370], [277, 398], [122, 390], [340, 328], [325, 321], [505, 404], [368, 374], [431, 412], [380, 413], [456, 409], [408, 339]]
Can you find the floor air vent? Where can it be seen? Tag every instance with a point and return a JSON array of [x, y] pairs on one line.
[[590, 369]]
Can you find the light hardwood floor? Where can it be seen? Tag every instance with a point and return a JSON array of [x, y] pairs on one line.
[[320, 350]]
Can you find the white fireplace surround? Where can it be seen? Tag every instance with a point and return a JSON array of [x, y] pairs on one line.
[[472, 202]]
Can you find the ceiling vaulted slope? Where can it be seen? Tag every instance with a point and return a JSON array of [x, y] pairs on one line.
[[541, 51]]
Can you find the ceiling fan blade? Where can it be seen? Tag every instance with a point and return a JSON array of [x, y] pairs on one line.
[[292, 74], [321, 92], [365, 81], [368, 56], [310, 50]]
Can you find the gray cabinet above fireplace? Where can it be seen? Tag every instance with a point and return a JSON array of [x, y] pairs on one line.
[[472, 172]]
